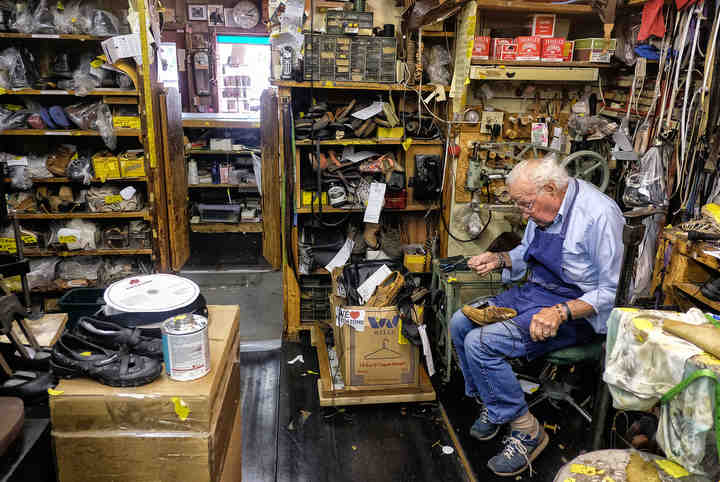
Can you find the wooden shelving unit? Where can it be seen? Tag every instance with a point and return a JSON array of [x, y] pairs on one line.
[[223, 186], [201, 152], [331, 210], [67, 180], [367, 142], [117, 92], [67, 132], [693, 291], [227, 121], [226, 228], [44, 36], [329, 84], [34, 252], [525, 63], [512, 6], [144, 214]]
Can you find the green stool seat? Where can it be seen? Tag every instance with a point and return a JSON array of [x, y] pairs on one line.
[[577, 354]]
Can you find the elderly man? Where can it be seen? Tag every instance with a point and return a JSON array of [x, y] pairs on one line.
[[573, 249]]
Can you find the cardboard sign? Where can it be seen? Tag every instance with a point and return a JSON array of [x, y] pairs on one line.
[[350, 317], [503, 48], [543, 25], [528, 48], [481, 48], [552, 49]]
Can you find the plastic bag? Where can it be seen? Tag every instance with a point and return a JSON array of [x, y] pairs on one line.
[[19, 178], [437, 67], [645, 184], [44, 18], [117, 268], [36, 166], [95, 116], [22, 201], [17, 69], [69, 21], [103, 22], [75, 234], [107, 198], [58, 161], [24, 22], [80, 267], [13, 118], [80, 169], [105, 126], [86, 77], [42, 273]]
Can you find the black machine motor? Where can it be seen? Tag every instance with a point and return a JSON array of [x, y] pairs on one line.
[[427, 182]]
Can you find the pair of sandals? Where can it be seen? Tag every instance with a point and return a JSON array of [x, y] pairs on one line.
[[109, 353], [30, 378], [52, 118]]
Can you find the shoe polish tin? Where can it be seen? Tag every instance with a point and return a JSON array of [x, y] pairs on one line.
[[186, 348]]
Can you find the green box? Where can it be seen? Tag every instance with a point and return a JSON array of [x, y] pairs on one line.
[[595, 43]]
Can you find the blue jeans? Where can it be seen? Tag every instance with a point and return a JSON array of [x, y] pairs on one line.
[[483, 353]]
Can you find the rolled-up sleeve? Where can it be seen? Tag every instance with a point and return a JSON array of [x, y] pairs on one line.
[[604, 245], [519, 266]]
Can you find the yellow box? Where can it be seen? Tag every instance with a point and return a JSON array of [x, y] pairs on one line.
[[106, 165], [132, 167], [308, 196], [126, 122], [415, 263]]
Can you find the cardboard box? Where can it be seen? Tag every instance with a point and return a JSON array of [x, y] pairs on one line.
[[481, 48], [543, 25], [220, 144], [373, 353], [163, 431], [106, 165], [594, 50], [132, 163], [552, 49], [568, 50], [126, 121], [503, 47], [529, 48]]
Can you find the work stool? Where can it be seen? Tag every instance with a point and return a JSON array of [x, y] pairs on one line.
[[555, 391]]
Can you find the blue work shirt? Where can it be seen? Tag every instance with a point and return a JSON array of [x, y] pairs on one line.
[[592, 250]]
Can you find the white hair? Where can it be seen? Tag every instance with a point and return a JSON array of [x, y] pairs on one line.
[[540, 172]]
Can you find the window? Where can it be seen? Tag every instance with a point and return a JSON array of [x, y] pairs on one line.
[[243, 72]]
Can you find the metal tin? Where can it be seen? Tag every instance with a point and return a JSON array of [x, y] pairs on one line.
[[186, 348]]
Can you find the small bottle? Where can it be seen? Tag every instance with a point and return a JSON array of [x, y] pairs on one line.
[[215, 172], [193, 176]]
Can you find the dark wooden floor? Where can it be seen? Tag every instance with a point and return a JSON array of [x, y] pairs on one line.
[[401, 442]]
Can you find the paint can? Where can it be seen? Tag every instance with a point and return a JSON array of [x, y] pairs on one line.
[[186, 348]]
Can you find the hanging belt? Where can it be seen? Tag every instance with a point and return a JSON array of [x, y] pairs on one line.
[[702, 373]]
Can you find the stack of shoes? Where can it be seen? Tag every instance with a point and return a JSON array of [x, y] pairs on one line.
[[109, 353]]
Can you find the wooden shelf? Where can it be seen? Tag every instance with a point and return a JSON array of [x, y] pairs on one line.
[[120, 92], [226, 228], [209, 152], [329, 84], [696, 251], [533, 7], [366, 142], [45, 36], [544, 73], [34, 252], [229, 186], [113, 215], [438, 34], [66, 180], [199, 120], [331, 210], [552, 65], [67, 132], [693, 291]]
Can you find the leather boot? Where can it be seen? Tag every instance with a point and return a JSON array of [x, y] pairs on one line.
[[370, 235]]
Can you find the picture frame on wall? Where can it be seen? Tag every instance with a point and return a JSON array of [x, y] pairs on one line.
[[197, 13], [216, 16]]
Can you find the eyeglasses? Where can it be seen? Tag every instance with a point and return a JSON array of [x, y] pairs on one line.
[[524, 205]]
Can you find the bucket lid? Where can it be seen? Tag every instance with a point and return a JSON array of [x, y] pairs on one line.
[[151, 293]]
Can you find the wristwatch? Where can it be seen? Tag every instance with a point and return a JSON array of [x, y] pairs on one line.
[[501, 261]]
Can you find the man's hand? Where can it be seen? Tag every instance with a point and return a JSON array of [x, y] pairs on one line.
[[545, 324], [484, 263]]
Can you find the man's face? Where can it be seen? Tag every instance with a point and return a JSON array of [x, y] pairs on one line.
[[540, 205]]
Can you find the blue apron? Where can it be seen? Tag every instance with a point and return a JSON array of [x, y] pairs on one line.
[[546, 288]]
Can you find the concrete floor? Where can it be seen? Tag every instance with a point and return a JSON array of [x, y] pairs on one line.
[[259, 294]]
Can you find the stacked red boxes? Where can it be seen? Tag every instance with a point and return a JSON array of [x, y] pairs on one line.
[[553, 49], [481, 48], [504, 49], [529, 48]]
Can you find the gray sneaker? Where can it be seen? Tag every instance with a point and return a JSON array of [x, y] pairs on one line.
[[483, 429], [519, 452]]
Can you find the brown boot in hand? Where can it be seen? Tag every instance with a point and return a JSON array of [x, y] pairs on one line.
[[488, 315]]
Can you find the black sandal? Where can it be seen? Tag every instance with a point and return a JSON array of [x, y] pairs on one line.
[[73, 357], [111, 335]]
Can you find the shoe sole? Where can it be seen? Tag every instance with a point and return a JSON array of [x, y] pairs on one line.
[[474, 435], [67, 373], [532, 457]]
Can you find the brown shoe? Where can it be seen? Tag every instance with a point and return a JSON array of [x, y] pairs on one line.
[[488, 315], [387, 291]]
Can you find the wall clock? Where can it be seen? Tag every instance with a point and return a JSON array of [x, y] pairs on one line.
[[245, 14]]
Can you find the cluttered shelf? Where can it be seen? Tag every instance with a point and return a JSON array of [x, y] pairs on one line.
[[65, 180], [46, 36], [109, 215], [67, 132], [35, 252], [332, 84], [221, 152], [229, 121], [226, 228], [110, 91], [534, 7], [430, 33], [230, 186], [331, 210], [363, 142], [551, 65], [692, 290]]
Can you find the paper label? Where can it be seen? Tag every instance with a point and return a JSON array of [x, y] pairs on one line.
[[672, 468], [401, 338], [67, 239], [366, 113], [17, 161], [128, 192], [376, 199], [114, 199], [97, 63], [341, 256], [367, 289], [353, 318], [427, 351]]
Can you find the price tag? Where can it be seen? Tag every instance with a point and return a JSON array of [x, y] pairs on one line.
[[114, 199], [97, 63], [67, 239], [29, 238]]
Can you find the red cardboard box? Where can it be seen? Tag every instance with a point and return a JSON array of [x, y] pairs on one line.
[[504, 48], [568, 50], [481, 48], [529, 48], [552, 49], [543, 25]]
